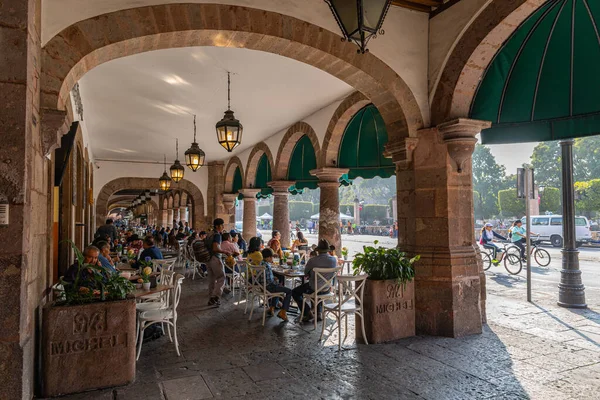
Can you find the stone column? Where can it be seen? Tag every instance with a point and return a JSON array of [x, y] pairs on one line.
[[176, 215], [170, 217], [571, 292], [229, 208], [249, 230], [165, 218], [329, 205], [281, 210], [182, 214], [216, 184], [435, 220], [357, 211], [25, 254]]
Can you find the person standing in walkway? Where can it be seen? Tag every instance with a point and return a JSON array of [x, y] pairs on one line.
[[108, 231], [216, 272]]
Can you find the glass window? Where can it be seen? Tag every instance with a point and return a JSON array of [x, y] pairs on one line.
[[556, 221], [540, 221], [580, 222]]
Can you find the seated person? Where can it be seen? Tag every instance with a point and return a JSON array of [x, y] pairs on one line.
[[86, 274], [274, 287], [149, 251], [229, 245], [487, 241], [180, 235], [134, 242], [275, 244], [105, 260], [254, 251], [323, 260], [300, 242], [241, 242], [192, 238]]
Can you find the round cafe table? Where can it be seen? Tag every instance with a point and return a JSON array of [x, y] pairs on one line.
[[159, 288], [347, 263]]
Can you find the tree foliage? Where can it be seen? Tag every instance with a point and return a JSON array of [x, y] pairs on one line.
[[550, 200], [510, 205], [588, 197], [546, 159], [488, 177]]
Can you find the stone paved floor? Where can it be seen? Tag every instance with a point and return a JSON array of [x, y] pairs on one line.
[[526, 351]]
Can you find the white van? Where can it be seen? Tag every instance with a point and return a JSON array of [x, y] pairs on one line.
[[550, 229]]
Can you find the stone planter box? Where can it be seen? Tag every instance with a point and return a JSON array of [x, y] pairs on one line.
[[389, 311], [87, 347]]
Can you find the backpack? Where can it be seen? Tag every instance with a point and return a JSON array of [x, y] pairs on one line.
[[203, 248]]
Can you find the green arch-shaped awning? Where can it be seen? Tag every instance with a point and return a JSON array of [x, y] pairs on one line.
[[237, 182], [263, 176], [302, 161], [363, 145], [544, 82]]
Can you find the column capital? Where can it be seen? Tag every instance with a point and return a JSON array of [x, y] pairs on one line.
[[460, 140], [401, 151], [280, 187], [329, 174], [249, 193], [54, 124], [229, 197]]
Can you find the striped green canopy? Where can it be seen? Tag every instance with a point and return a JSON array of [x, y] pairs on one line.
[[544, 83], [263, 176], [237, 182], [363, 145], [302, 161]]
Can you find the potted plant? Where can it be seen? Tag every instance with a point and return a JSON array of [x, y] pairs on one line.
[[345, 253], [389, 299], [88, 332], [145, 274]]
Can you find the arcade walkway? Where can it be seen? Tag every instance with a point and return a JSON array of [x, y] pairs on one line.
[[225, 356]]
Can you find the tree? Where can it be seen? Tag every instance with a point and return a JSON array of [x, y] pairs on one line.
[[546, 160], [477, 205], [588, 197], [488, 177], [510, 205], [586, 154], [550, 200]]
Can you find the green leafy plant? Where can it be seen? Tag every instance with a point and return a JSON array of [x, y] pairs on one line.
[[344, 253], [98, 285], [382, 264]]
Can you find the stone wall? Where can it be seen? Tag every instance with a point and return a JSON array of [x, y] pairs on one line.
[[24, 182]]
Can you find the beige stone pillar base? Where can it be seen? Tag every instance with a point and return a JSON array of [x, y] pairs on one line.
[[281, 211]]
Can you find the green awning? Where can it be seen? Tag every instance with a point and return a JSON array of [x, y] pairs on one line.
[[302, 161], [543, 84], [345, 180], [263, 176], [237, 181], [363, 145], [294, 190]]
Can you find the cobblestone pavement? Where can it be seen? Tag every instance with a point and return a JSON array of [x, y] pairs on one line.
[[534, 351]]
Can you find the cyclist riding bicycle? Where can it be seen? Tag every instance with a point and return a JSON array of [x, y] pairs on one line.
[[487, 240], [519, 235]]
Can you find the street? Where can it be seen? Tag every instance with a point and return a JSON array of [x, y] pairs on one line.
[[544, 280]]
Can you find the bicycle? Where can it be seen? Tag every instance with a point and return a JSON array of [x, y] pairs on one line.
[[512, 263], [541, 256]]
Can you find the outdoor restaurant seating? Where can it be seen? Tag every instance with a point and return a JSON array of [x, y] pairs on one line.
[[349, 291], [323, 291], [258, 291], [164, 316], [157, 301]]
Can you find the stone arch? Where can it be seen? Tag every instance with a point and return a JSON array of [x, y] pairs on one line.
[[170, 201], [176, 200], [257, 151], [473, 53], [286, 147], [183, 199], [337, 125], [232, 164], [196, 197], [165, 203], [115, 203], [120, 200], [86, 44]]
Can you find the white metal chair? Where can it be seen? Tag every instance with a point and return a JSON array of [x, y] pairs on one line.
[[167, 264], [234, 277], [350, 291], [258, 290], [193, 266], [156, 301], [167, 315], [323, 284]]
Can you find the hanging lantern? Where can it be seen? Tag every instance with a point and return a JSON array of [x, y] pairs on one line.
[[229, 129], [359, 20], [194, 156], [177, 169], [165, 180]]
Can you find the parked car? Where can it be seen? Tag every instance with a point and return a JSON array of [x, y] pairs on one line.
[[550, 228]]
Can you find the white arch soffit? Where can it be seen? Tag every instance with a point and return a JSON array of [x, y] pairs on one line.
[[453, 46], [409, 59]]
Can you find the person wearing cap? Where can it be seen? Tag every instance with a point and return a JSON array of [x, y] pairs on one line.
[[323, 260], [216, 272], [519, 237], [487, 241]]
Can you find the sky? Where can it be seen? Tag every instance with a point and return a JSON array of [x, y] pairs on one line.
[[512, 156]]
